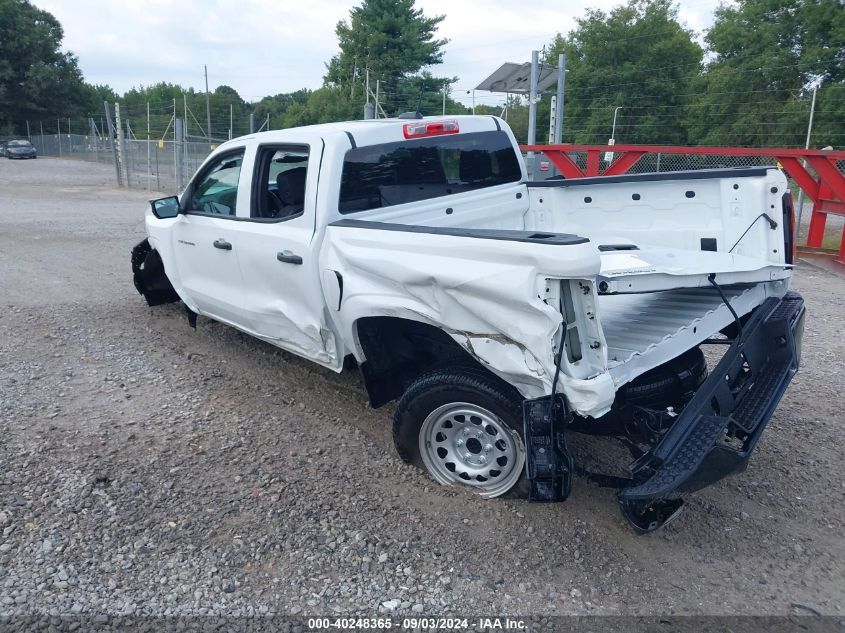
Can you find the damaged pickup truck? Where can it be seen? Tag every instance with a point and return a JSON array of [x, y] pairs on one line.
[[500, 314]]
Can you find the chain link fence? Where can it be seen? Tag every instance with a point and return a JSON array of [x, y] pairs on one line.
[[153, 165]]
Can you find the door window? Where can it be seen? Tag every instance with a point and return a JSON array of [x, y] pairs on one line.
[[216, 192], [280, 183]]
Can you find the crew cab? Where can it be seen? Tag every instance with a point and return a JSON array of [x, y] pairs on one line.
[[500, 313]]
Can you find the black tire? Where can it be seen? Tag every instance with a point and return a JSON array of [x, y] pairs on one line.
[[444, 386]]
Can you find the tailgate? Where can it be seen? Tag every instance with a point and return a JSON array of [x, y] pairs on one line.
[[631, 269]]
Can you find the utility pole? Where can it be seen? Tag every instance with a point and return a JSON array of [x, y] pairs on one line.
[[178, 152], [149, 158], [28, 135], [369, 109], [121, 140], [95, 141], [445, 84], [231, 120], [806, 146], [532, 112], [561, 81], [207, 106], [378, 85], [59, 134], [111, 140]]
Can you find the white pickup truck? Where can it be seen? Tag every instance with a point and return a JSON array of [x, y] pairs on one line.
[[500, 313]]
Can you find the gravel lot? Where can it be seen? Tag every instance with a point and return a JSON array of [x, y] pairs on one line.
[[146, 468]]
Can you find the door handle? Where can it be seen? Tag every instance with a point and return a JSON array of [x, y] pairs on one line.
[[223, 245], [288, 258]]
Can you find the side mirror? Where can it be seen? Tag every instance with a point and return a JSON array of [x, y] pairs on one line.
[[165, 208]]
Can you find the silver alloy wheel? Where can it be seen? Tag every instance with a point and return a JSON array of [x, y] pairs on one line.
[[465, 443]]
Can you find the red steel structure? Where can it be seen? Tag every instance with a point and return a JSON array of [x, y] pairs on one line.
[[822, 180]]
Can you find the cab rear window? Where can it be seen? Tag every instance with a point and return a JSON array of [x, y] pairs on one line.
[[409, 171]]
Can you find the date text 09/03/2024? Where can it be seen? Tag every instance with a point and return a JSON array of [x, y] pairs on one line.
[[417, 624]]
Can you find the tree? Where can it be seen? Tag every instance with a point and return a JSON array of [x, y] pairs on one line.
[[324, 105], [639, 58], [766, 54], [36, 77], [390, 38], [160, 97], [277, 106], [223, 101]]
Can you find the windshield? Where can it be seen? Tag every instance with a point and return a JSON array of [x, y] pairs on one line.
[[19, 144]]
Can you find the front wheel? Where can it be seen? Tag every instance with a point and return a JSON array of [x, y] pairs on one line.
[[463, 427]]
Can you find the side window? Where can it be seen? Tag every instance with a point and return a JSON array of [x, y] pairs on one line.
[[279, 189], [217, 191]]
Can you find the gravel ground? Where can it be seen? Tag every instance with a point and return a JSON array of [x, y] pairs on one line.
[[146, 468]]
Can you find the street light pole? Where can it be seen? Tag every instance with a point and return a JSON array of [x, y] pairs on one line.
[[806, 146], [608, 156], [473, 99], [613, 131]]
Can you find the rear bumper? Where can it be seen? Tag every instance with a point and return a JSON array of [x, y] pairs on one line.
[[717, 431]]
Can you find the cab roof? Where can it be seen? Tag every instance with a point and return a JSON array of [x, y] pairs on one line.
[[367, 132]]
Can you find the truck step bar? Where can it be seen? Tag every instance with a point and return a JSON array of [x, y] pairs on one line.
[[714, 435]]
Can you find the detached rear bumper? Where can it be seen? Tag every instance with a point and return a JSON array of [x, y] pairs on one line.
[[717, 431]]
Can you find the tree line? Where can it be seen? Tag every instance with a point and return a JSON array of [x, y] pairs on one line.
[[750, 84]]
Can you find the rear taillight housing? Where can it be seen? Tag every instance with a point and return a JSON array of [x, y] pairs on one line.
[[421, 129]]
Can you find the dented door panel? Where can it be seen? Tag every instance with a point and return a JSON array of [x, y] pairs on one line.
[[283, 302]]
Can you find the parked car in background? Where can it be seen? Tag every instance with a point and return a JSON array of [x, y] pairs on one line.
[[19, 149]]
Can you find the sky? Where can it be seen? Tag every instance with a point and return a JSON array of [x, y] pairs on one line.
[[266, 47]]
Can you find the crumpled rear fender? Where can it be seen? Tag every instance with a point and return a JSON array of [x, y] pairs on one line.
[[484, 293]]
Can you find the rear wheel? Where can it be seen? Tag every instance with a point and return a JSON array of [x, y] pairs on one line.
[[463, 427]]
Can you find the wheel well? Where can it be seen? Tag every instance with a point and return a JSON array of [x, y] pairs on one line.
[[400, 350]]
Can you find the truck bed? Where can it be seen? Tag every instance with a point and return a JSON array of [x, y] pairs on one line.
[[644, 330]]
